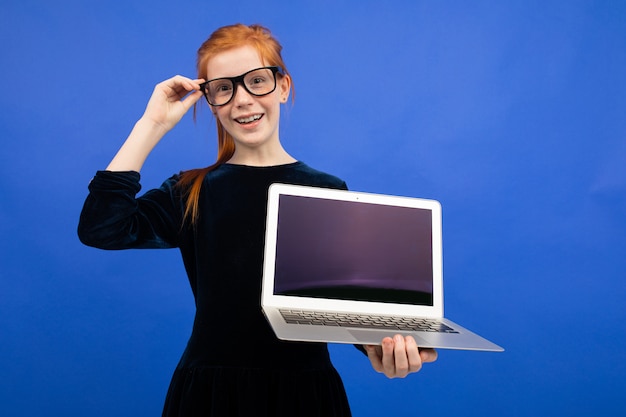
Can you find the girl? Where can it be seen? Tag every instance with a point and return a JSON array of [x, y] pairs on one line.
[[233, 364]]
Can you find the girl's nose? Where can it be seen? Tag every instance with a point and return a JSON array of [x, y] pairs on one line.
[[241, 96]]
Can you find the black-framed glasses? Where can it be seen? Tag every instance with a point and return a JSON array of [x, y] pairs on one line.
[[258, 82]]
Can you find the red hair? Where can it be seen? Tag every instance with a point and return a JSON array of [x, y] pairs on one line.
[[224, 39]]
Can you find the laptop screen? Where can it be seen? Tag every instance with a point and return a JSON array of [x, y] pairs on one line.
[[353, 251]]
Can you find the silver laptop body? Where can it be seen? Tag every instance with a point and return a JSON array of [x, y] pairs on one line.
[[351, 267]]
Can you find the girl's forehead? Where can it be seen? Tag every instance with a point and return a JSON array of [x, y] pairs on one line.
[[234, 62]]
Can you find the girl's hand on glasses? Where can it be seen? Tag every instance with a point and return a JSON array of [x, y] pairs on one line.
[[169, 102], [171, 99]]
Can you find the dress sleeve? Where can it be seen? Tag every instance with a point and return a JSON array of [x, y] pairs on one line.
[[114, 218]]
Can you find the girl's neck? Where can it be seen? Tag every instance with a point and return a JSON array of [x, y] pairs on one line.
[[256, 157]]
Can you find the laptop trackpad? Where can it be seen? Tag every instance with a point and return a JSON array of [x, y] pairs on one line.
[[375, 337]]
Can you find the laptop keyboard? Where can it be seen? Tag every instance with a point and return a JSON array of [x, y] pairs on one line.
[[365, 321]]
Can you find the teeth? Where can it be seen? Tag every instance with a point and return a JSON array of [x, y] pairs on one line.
[[249, 119]]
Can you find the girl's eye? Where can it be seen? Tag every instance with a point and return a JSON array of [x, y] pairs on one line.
[[221, 88]]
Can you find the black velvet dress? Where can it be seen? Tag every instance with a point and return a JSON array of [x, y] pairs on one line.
[[233, 364]]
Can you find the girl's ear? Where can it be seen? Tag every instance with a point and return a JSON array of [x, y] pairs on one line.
[[285, 88]]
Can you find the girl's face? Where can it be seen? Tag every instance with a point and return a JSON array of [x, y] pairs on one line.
[[251, 120]]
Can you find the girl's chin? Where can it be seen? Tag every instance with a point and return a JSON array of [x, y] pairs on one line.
[[250, 141], [253, 138]]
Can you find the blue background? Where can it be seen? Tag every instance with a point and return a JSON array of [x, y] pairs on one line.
[[511, 113]]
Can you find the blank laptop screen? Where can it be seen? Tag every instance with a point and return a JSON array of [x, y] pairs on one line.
[[353, 251]]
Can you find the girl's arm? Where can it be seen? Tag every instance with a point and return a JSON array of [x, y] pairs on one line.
[[169, 102]]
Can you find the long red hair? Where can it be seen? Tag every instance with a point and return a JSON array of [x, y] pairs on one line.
[[224, 39]]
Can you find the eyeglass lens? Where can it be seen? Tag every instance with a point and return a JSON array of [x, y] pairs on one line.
[[257, 82]]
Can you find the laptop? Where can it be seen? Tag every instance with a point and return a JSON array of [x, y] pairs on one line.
[[351, 267]]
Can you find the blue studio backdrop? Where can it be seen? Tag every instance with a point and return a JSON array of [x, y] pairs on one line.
[[511, 113]]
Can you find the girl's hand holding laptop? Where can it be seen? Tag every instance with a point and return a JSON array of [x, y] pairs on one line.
[[399, 356]]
